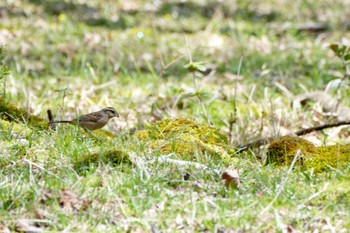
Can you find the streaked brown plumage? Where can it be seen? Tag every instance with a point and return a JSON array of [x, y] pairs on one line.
[[94, 120]]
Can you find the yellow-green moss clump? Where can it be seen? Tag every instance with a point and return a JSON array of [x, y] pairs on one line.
[[10, 112], [282, 151], [336, 156], [185, 138]]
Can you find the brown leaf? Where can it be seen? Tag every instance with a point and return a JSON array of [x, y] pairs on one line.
[[69, 200], [4, 229], [86, 204], [231, 178], [25, 225], [46, 195], [290, 229], [259, 194], [40, 214]]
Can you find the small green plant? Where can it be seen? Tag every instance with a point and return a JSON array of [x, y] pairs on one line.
[[343, 53], [194, 67]]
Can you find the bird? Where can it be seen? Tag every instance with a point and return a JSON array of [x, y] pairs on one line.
[[93, 120]]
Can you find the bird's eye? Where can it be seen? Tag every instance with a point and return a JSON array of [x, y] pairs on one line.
[[111, 112]]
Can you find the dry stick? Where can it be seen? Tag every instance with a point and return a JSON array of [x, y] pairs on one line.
[[264, 141], [321, 127], [233, 118]]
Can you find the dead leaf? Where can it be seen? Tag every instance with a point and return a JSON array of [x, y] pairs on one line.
[[179, 221], [41, 214], [4, 229], [86, 204], [46, 195], [69, 200], [259, 194], [290, 229], [231, 178], [26, 225]]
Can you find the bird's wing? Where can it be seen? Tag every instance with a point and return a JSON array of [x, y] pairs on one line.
[[92, 117]]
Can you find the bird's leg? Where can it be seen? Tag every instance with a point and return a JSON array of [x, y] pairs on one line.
[[89, 132]]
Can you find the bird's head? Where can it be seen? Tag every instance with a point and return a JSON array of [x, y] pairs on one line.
[[111, 112]]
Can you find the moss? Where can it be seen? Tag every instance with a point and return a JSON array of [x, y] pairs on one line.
[[336, 156], [86, 161], [10, 112], [142, 134], [104, 133], [282, 151], [20, 129], [184, 137]]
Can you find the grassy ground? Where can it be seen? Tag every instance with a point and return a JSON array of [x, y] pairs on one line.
[[74, 57]]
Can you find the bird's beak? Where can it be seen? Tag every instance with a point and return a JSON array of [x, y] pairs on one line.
[[116, 114]]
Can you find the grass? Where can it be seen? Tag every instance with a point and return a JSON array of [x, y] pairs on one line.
[[75, 57]]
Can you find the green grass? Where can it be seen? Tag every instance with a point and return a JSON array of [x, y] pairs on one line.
[[92, 54]]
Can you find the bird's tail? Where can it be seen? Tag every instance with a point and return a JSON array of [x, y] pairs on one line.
[[62, 122]]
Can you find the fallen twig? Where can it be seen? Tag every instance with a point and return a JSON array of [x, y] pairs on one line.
[[264, 141], [321, 127]]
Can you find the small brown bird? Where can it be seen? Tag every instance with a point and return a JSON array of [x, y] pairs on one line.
[[94, 120]]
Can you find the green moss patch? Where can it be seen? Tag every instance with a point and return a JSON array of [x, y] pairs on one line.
[[283, 150], [327, 157], [184, 138], [10, 112]]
